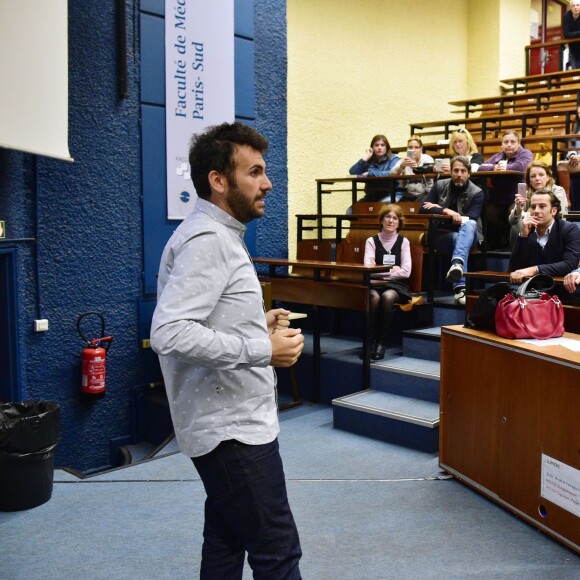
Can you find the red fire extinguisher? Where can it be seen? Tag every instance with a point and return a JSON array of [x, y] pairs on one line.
[[94, 359]]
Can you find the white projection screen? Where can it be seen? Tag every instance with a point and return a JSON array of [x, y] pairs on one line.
[[34, 77]]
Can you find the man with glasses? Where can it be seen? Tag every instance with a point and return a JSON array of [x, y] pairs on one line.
[[461, 199]]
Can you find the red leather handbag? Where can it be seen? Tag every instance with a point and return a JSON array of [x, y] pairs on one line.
[[530, 313]]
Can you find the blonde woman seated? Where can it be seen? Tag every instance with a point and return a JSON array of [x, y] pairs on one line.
[[388, 248], [414, 189], [538, 176], [461, 143]]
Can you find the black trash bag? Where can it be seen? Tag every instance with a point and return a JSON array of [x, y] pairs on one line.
[[29, 426], [29, 433]]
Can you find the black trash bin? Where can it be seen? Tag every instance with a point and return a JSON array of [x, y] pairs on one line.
[[29, 433]]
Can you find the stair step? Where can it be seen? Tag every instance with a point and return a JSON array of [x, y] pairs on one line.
[[407, 377], [388, 417], [446, 312], [407, 409], [411, 366], [429, 333], [423, 343]]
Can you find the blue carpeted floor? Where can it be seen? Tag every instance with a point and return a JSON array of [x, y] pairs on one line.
[[364, 509]]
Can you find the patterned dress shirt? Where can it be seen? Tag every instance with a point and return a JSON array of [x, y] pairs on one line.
[[209, 330]]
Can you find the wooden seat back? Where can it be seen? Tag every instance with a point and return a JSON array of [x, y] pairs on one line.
[[313, 250], [370, 208]]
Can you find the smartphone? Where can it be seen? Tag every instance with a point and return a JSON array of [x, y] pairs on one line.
[[410, 153], [523, 189]]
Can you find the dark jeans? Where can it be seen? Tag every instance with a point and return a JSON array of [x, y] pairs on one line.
[[247, 510]]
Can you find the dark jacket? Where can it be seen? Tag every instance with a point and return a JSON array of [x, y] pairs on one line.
[[571, 29], [470, 202], [376, 190], [560, 256]]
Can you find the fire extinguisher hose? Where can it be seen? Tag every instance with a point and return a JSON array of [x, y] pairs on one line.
[[103, 341]]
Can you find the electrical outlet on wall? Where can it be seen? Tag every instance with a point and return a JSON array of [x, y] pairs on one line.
[[41, 325]]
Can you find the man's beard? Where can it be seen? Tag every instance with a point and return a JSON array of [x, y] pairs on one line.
[[244, 210], [459, 186]]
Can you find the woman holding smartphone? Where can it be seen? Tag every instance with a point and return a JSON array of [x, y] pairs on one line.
[[414, 189], [538, 176]]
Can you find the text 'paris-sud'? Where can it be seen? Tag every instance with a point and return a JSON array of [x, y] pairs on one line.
[[180, 74]]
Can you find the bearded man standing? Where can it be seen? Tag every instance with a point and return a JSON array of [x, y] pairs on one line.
[[217, 347]]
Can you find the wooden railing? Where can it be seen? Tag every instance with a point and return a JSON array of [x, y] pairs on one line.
[[550, 44]]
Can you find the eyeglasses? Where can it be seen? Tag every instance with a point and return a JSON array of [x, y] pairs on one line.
[[393, 218], [461, 130]]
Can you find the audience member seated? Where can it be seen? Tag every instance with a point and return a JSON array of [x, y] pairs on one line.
[[461, 143], [463, 200], [512, 157], [546, 244], [414, 189], [377, 161], [388, 248], [571, 29], [538, 176]]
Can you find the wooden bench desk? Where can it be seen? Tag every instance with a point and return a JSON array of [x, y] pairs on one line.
[[522, 122], [321, 290], [518, 101], [558, 143], [571, 311], [339, 222], [330, 185], [546, 81]]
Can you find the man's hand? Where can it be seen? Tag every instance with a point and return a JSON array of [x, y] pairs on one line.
[[277, 319], [429, 205], [456, 217], [517, 276], [287, 346], [527, 225], [571, 281]]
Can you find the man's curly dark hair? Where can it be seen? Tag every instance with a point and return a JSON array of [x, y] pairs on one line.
[[214, 150]]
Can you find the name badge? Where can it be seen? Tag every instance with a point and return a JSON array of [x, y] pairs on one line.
[[389, 260]]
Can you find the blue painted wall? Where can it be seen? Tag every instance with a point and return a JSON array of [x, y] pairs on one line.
[[88, 221], [271, 120]]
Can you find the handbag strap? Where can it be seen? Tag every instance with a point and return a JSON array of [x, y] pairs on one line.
[[540, 283]]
